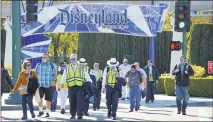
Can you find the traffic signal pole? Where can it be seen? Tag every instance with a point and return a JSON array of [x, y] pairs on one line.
[[16, 50], [184, 43]]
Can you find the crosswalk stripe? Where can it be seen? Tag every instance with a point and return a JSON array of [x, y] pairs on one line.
[[203, 116]]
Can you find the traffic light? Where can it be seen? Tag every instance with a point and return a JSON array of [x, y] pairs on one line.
[[175, 45], [31, 11], [182, 16]]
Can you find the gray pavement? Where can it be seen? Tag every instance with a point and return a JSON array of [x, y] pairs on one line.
[[163, 109]]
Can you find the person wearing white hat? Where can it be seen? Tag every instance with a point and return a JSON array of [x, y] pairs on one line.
[[75, 76], [125, 67], [111, 72], [97, 82], [83, 64]]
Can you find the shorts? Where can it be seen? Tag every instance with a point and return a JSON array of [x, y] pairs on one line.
[[48, 92]]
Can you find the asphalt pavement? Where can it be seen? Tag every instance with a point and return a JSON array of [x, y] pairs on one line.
[[163, 109]]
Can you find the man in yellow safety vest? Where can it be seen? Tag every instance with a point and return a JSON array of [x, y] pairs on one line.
[[75, 76]]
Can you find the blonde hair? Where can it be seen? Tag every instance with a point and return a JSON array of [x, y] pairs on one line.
[[24, 64]]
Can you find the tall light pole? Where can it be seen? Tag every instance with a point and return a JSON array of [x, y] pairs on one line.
[[152, 47], [16, 50]]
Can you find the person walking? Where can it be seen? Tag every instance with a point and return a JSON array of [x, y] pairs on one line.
[[46, 71], [124, 68], [75, 76], [135, 82], [143, 90], [5, 79], [62, 92], [182, 71], [87, 87], [25, 77], [110, 76], [54, 99], [97, 83], [152, 79]]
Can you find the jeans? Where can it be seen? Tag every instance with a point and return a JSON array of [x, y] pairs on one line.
[[27, 99], [54, 101], [135, 93], [182, 94]]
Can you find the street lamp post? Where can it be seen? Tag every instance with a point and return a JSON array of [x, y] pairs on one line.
[[16, 50], [152, 47]]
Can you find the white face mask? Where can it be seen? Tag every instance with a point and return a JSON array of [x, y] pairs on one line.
[[73, 61]]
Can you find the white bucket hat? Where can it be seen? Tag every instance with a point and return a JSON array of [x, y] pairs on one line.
[[82, 61], [113, 62]]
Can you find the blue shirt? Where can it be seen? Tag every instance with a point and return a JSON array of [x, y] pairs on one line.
[[45, 73]]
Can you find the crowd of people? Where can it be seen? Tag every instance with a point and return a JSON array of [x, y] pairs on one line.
[[81, 85]]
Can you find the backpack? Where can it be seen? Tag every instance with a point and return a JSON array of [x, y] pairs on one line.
[[138, 74]]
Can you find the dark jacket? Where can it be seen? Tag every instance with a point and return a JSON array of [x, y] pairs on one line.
[[32, 85], [184, 81], [5, 81], [97, 85], [155, 73], [89, 91]]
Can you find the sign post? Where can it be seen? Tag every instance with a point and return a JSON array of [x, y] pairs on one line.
[[210, 67]]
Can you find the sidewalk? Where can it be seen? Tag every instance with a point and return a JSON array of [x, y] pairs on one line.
[[160, 101]]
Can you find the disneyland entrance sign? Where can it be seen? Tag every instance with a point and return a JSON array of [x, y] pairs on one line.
[[137, 20]]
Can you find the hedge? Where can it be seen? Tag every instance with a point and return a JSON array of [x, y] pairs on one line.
[[199, 87]]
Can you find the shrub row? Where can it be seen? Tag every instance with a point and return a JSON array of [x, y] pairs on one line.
[[199, 87]]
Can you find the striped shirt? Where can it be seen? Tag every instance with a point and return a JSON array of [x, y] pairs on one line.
[[45, 73]]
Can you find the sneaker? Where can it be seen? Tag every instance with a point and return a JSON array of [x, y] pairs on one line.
[[178, 112], [113, 118], [33, 115], [136, 108], [40, 114], [47, 115], [98, 107], [152, 101], [86, 114], [73, 117], [123, 99], [24, 118], [94, 109], [109, 114], [183, 113], [146, 101], [131, 110], [127, 98], [63, 111], [80, 117]]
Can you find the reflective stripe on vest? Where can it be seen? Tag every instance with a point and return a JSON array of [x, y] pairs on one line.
[[75, 78], [111, 78], [58, 81], [99, 75]]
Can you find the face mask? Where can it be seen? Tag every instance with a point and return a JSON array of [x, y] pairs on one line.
[[150, 65], [125, 63], [73, 61], [29, 67], [182, 61], [132, 71], [44, 60]]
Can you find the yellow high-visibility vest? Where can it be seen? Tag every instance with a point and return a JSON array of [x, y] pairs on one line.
[[76, 78], [111, 77], [58, 81], [99, 75], [150, 77]]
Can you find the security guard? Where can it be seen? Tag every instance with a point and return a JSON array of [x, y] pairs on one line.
[[97, 85], [83, 64], [111, 72], [75, 76]]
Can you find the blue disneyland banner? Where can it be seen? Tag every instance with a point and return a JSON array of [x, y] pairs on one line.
[[136, 20]]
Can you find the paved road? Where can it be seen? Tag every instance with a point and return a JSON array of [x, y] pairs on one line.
[[164, 109]]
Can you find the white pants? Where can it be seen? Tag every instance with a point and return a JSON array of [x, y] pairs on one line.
[[62, 95]]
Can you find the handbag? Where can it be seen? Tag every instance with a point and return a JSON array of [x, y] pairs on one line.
[[23, 89]]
